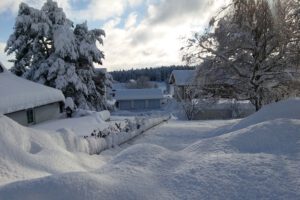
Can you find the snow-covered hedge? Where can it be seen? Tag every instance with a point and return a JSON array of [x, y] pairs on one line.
[[98, 143], [16, 138]]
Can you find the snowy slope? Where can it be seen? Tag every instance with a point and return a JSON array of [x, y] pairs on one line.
[[28, 153], [19, 94], [178, 160], [288, 109], [81, 126]]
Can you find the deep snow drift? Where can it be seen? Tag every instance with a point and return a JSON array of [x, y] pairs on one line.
[[29, 153], [259, 158]]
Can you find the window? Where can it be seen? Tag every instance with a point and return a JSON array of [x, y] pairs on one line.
[[61, 107], [30, 117]]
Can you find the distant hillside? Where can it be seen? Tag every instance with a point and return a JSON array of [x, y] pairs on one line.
[[154, 74]]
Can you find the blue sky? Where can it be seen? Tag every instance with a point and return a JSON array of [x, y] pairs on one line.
[[139, 33]]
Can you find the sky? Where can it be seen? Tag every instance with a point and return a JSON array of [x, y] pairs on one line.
[[139, 33]]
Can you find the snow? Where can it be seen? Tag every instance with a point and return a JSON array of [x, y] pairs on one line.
[[183, 77], [138, 94], [29, 153], [19, 94], [81, 126], [69, 103], [260, 159], [105, 115], [287, 109]]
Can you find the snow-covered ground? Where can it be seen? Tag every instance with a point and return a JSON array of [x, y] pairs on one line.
[[81, 126], [254, 158]]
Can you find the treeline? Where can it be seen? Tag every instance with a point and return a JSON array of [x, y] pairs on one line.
[[161, 74]]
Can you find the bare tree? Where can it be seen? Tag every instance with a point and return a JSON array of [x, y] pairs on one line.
[[246, 48]]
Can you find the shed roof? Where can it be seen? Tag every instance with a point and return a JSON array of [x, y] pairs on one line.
[[18, 94], [138, 94], [182, 77]]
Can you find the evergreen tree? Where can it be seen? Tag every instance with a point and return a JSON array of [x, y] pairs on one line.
[[49, 51]]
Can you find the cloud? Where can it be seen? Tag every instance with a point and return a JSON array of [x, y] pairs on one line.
[[177, 10], [156, 40], [13, 6], [134, 3], [3, 57], [131, 20], [99, 10], [94, 10]]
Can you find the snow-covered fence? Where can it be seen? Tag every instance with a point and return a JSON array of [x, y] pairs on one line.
[[98, 144]]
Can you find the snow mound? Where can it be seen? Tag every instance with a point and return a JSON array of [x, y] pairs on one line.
[[278, 137], [29, 153], [125, 177], [146, 171], [288, 109], [140, 155], [258, 161]]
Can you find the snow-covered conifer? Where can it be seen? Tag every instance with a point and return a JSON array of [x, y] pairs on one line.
[[50, 51]]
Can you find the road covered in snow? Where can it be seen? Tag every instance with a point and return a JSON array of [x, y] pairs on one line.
[[254, 158]]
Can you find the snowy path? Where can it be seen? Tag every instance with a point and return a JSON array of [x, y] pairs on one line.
[[173, 135], [176, 135]]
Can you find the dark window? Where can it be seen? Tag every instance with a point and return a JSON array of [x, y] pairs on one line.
[[61, 107], [30, 117]]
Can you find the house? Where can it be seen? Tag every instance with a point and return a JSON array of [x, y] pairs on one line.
[[180, 81], [27, 102], [138, 99]]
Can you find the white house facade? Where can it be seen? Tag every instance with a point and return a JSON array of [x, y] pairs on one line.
[[27, 102]]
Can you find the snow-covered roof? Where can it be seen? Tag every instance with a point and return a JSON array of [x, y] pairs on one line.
[[138, 94], [182, 77], [18, 94], [118, 86]]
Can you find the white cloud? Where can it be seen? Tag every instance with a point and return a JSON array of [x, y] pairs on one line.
[[157, 39], [131, 20], [134, 3], [9, 5], [100, 10], [95, 10], [3, 57]]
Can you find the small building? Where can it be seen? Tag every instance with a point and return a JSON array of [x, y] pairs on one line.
[[27, 102], [180, 81], [138, 99]]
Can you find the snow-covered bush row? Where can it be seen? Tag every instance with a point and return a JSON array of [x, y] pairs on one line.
[[111, 137], [31, 153]]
